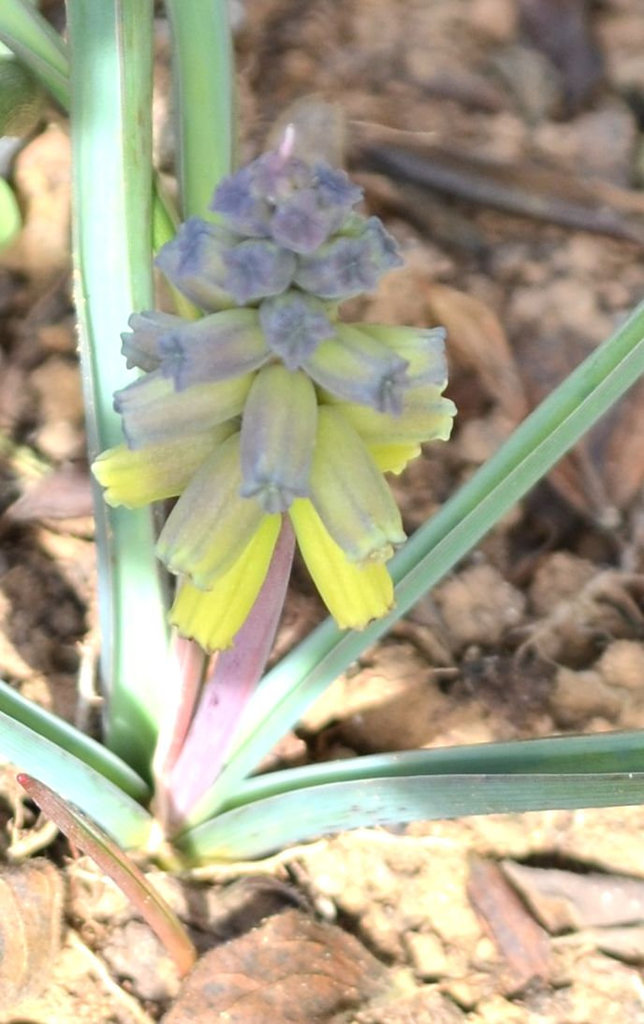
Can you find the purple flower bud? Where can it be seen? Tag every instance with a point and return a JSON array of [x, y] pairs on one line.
[[294, 324], [348, 264], [335, 188], [257, 268], [141, 346], [216, 347], [275, 176], [192, 262], [300, 224], [241, 205]]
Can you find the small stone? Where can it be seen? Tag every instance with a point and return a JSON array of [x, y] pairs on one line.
[[578, 696], [495, 20], [427, 955], [479, 605], [622, 664]]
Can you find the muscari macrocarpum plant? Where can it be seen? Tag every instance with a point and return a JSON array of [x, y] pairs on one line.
[[271, 420]]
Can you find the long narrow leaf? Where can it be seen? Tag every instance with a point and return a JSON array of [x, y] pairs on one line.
[[203, 84], [259, 828], [124, 819], [599, 753], [111, 60], [74, 742], [37, 44], [606, 753], [545, 436]]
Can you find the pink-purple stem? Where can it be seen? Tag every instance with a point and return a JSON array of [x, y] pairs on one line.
[[234, 676]]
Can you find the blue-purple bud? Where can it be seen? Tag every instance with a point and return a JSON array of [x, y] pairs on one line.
[[277, 438], [193, 263], [349, 264], [141, 346], [284, 198], [276, 176], [216, 347], [294, 324], [242, 207], [300, 224], [257, 268], [335, 188]]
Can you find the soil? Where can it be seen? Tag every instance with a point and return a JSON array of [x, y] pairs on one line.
[[501, 141]]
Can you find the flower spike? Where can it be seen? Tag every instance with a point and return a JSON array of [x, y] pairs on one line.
[[269, 410]]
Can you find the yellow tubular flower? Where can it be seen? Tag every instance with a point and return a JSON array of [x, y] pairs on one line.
[[350, 494], [426, 416], [354, 594], [135, 478], [393, 458], [212, 617], [211, 525]]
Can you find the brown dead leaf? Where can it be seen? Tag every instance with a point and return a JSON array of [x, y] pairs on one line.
[[522, 188], [608, 606], [478, 344], [561, 30], [64, 493], [564, 900], [290, 970], [605, 471], [523, 943], [42, 179], [623, 943], [31, 906]]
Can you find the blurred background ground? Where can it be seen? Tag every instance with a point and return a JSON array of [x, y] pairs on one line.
[[501, 141]]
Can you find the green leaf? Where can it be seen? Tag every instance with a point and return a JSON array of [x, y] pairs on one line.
[[111, 48], [125, 820], [541, 440], [37, 44], [203, 84], [271, 811], [10, 219], [74, 742]]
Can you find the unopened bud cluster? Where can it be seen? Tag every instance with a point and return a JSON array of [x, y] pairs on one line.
[[270, 405]]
